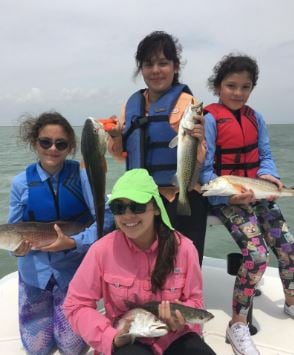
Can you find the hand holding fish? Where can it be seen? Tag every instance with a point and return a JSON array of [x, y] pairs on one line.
[[175, 322], [63, 242], [264, 187], [196, 129], [122, 337], [246, 197], [276, 181]]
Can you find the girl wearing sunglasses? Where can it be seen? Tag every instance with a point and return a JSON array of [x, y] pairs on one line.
[[143, 260], [51, 189]]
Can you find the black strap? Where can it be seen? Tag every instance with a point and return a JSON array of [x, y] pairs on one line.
[[236, 166], [161, 167], [142, 121], [241, 150]]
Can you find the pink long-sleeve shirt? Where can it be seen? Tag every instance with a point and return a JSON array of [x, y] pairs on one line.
[[116, 270]]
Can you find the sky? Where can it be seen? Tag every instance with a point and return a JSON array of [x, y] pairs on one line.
[[77, 56]]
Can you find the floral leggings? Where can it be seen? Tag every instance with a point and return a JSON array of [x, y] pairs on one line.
[[254, 228], [43, 326]]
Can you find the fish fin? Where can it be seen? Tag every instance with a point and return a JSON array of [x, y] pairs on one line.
[[169, 192], [174, 142], [175, 181]]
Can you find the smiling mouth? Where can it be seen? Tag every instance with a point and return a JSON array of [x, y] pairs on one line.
[[131, 225]]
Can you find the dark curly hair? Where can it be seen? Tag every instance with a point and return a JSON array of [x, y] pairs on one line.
[[154, 43], [30, 127], [229, 64]]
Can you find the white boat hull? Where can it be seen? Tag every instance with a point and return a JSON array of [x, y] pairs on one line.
[[275, 328]]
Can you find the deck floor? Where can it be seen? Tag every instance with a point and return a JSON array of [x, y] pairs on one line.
[[275, 328]]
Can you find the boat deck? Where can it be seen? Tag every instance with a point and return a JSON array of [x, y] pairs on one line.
[[275, 328]]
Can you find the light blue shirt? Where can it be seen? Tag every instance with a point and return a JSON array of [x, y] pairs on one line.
[[61, 264], [267, 164]]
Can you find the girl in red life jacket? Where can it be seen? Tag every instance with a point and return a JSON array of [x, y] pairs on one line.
[[238, 144]]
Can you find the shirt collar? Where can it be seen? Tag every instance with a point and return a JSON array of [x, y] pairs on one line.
[[44, 175], [151, 249]]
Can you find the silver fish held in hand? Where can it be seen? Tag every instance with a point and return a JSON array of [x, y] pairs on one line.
[[143, 324], [40, 234], [228, 185], [192, 315], [93, 148], [187, 145]]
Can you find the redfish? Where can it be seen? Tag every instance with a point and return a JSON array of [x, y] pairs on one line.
[[228, 185], [38, 233]]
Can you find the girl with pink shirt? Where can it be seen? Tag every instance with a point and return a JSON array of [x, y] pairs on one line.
[[143, 260]]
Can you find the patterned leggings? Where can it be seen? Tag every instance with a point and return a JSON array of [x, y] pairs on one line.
[[43, 326], [254, 228]]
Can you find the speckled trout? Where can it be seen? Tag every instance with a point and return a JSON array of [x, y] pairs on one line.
[[38, 233], [186, 175], [192, 315], [93, 148], [228, 185]]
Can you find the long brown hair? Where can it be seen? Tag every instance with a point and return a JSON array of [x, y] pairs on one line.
[[166, 256]]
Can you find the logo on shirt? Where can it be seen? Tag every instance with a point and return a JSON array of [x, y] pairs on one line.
[[177, 270]]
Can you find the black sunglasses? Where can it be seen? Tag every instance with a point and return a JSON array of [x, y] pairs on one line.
[[46, 143], [119, 207]]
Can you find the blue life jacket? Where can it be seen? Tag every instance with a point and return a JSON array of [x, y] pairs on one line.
[[146, 138], [44, 205]]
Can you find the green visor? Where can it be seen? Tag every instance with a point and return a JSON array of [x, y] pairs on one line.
[[137, 185]]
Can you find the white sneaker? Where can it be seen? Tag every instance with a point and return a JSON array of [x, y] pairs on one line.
[[239, 337], [289, 310]]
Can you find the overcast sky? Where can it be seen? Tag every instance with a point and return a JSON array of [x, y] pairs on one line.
[[77, 56]]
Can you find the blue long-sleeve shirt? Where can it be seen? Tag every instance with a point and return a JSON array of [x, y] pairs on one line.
[[267, 164], [61, 264]]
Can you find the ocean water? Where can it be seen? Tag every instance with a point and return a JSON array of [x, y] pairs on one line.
[[15, 157]]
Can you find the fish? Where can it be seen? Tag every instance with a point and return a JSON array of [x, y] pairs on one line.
[[228, 185], [187, 172], [93, 149], [40, 234], [192, 315], [143, 324]]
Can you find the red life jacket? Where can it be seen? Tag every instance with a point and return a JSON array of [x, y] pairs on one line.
[[236, 143]]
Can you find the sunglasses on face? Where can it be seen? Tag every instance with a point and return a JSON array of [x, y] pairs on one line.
[[119, 207], [46, 143]]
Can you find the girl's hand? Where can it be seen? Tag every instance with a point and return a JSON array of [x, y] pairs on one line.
[[63, 242], [115, 129], [23, 249], [198, 130], [245, 198], [164, 313], [120, 340], [276, 181]]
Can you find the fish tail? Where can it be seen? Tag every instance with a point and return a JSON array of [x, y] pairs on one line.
[[183, 207]]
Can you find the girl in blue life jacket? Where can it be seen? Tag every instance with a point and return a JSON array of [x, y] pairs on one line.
[[238, 144], [150, 120], [52, 189]]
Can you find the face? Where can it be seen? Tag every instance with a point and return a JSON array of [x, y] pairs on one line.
[[235, 90], [138, 227], [52, 159], [158, 74]]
